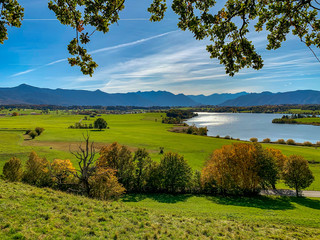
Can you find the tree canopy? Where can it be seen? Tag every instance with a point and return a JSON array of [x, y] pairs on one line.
[[226, 27]]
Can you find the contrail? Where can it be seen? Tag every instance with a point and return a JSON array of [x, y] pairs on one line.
[[98, 51], [131, 43]]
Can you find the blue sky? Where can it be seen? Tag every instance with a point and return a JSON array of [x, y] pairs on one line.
[[139, 55]]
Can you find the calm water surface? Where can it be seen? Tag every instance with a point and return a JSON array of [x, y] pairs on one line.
[[248, 125]]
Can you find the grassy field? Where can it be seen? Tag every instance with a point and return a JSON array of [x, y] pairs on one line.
[[27, 212], [308, 120], [133, 130]]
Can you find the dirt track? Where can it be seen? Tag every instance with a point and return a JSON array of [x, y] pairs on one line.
[[287, 192]]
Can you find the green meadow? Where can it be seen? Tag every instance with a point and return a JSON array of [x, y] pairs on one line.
[[27, 212], [134, 130]]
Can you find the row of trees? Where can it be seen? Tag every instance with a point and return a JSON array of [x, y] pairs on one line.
[[99, 123], [241, 168]]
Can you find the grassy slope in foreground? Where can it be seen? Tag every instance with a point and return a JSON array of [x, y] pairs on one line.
[[27, 212]]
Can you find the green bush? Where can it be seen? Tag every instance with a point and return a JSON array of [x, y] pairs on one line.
[[32, 134]]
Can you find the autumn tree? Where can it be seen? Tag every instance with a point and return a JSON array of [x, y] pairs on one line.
[[100, 124], [279, 157], [37, 171], [240, 168], [119, 158], [12, 170], [62, 172], [104, 184], [175, 173], [226, 28], [297, 174]]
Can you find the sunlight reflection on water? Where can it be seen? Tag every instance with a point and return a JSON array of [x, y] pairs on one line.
[[248, 125]]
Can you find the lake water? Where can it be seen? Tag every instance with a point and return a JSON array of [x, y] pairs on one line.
[[259, 125]]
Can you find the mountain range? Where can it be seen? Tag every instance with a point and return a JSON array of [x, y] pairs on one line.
[[26, 94]]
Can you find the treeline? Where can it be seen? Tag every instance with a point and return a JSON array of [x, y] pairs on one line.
[[238, 169], [56, 107], [261, 109], [176, 116], [291, 119], [194, 130]]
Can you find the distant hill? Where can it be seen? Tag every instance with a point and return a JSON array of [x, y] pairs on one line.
[[215, 99], [268, 98], [25, 94]]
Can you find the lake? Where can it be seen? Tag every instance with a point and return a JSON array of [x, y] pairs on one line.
[[259, 125]]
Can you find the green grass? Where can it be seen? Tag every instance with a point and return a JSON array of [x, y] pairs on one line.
[[133, 130], [308, 120], [32, 213], [301, 111], [27, 212]]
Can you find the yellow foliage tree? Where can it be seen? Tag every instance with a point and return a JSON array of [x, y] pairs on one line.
[[104, 184], [279, 157], [62, 171], [37, 171]]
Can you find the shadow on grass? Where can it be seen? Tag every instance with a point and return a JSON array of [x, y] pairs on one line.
[[161, 198], [307, 202], [262, 202]]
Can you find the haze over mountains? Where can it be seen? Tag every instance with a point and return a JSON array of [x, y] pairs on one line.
[[25, 94]]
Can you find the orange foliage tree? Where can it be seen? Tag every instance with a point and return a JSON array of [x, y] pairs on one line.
[[237, 169]]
